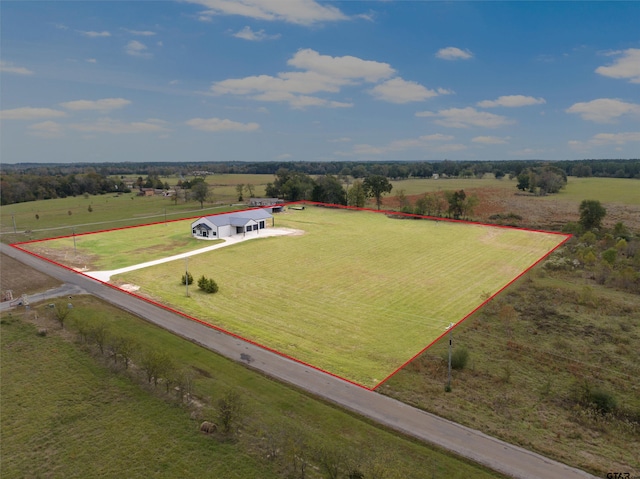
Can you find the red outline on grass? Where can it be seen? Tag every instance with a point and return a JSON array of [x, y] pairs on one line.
[[314, 203]]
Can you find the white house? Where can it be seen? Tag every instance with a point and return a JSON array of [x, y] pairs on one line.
[[229, 224]]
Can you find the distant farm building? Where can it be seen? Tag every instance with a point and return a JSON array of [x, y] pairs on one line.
[[276, 204], [230, 224]]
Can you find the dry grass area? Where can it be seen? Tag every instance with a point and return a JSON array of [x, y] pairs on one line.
[[532, 352], [550, 212], [29, 280]]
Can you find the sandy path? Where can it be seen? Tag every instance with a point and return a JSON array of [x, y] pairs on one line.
[[105, 276]]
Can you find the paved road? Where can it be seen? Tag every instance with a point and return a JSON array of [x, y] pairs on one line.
[[64, 290], [493, 453]]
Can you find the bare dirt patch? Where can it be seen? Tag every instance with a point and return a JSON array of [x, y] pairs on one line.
[[22, 279], [78, 261]]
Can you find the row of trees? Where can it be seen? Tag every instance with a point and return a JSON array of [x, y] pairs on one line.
[[289, 448], [294, 186], [19, 188], [542, 180]]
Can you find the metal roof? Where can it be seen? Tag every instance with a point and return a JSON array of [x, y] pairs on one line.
[[237, 218]]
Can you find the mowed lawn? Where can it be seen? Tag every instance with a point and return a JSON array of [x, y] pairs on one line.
[[115, 249], [358, 294]]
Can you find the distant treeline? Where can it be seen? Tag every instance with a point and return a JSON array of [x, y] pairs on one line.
[[21, 187], [391, 169], [30, 181]]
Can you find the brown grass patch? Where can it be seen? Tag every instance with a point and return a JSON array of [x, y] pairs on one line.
[[28, 281]]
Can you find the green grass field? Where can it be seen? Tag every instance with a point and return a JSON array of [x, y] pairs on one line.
[[358, 294], [124, 247], [416, 186], [109, 211], [72, 416], [606, 190], [64, 415]]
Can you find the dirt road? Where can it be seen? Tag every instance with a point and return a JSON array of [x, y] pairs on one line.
[[493, 453]]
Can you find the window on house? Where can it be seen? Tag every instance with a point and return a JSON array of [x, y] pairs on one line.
[[262, 225]]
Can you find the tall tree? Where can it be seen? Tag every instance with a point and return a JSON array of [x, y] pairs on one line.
[[239, 190], [356, 195], [591, 214], [200, 192], [456, 200], [328, 189], [375, 186]]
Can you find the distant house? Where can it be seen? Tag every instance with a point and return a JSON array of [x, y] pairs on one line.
[[274, 203], [230, 224]]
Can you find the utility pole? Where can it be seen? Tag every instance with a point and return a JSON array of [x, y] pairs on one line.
[[13, 217], [74, 239], [448, 386], [186, 274]]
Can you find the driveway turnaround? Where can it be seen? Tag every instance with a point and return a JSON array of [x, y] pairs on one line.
[[491, 452]]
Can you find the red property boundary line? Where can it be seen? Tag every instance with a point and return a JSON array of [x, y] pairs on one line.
[[314, 203]]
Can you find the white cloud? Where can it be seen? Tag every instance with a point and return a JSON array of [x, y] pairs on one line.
[[511, 101], [46, 129], [30, 113], [117, 127], [218, 124], [105, 104], [625, 67], [528, 152], [142, 33], [137, 49], [322, 73], [453, 53], [604, 110], [91, 60], [347, 67], [284, 156], [174, 82], [398, 90], [344, 139], [466, 117], [94, 34], [437, 137], [301, 12], [490, 140], [445, 91], [60, 26], [432, 142], [605, 139], [6, 67], [248, 34]]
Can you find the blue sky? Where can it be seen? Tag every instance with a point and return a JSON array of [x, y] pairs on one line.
[[265, 80]]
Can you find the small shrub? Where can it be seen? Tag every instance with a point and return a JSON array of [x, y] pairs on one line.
[[459, 358], [187, 277], [207, 285], [588, 238], [42, 332], [610, 255], [602, 401], [89, 209]]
